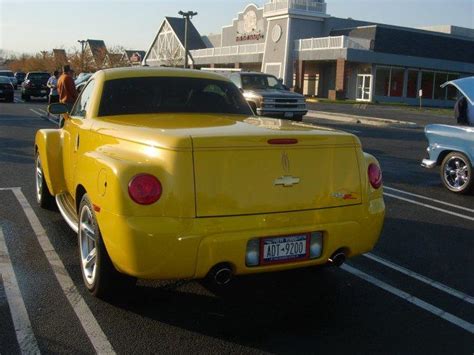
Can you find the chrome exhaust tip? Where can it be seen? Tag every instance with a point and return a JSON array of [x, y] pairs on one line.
[[222, 275], [337, 259]]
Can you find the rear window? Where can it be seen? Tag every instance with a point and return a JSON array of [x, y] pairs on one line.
[[171, 95], [6, 73], [41, 76]]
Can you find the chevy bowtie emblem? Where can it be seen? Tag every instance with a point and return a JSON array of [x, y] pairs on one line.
[[287, 181]]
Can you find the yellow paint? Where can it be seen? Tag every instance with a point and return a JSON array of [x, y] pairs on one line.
[[218, 174]]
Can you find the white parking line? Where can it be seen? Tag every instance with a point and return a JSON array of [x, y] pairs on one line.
[[44, 112], [429, 199], [461, 323], [36, 112], [24, 333], [90, 325], [52, 120], [451, 291], [469, 218]]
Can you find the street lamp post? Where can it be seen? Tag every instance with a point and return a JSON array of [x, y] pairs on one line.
[[83, 44], [186, 15]]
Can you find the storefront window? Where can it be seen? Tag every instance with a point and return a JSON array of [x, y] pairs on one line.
[[412, 87], [396, 83], [382, 82], [427, 82], [452, 91], [440, 79]]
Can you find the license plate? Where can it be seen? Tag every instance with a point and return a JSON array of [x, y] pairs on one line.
[[43, 91], [288, 114], [284, 249]]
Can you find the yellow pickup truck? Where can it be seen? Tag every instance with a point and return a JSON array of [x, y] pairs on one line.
[[167, 174]]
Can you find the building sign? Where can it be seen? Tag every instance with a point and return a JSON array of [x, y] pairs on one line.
[[250, 27], [250, 37]]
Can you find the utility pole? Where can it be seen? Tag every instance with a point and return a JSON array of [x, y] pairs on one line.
[[83, 44], [186, 15], [44, 54]]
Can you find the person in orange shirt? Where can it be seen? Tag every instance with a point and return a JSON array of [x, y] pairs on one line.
[[67, 88]]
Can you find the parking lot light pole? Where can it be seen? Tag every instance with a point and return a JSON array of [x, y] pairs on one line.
[[83, 44], [186, 15]]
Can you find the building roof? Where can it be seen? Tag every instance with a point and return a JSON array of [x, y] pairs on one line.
[[98, 50], [194, 38], [413, 42], [60, 56]]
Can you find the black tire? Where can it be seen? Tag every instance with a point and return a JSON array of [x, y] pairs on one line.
[[298, 118], [26, 97], [105, 281], [43, 196], [22, 96], [10, 98], [456, 173]]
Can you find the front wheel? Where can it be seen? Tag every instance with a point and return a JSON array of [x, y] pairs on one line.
[[99, 274], [456, 173]]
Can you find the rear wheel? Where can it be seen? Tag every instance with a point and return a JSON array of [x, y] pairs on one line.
[[456, 173], [43, 196], [99, 274], [10, 98], [26, 97], [298, 118]]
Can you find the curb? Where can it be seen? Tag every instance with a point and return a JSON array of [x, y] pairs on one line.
[[370, 121]]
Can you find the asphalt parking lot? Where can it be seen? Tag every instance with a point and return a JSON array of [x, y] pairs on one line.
[[413, 294]]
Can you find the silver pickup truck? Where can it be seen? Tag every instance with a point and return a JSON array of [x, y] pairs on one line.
[[268, 96]]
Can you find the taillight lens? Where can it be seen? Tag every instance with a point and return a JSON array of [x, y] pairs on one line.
[[145, 189], [375, 176]]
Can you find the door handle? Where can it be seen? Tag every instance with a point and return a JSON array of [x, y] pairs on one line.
[[78, 141]]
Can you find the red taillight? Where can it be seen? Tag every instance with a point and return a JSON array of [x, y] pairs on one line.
[[283, 141], [375, 176], [145, 189]]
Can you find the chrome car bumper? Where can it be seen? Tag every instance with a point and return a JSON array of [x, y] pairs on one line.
[[429, 164]]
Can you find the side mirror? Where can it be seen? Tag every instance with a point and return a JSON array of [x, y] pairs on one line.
[[57, 109]]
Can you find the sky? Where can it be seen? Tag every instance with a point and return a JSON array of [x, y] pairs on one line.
[[30, 26]]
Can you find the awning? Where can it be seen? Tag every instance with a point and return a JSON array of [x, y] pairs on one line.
[[465, 86]]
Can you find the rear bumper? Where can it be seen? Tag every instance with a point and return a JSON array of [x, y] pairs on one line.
[[36, 92], [174, 248], [280, 112]]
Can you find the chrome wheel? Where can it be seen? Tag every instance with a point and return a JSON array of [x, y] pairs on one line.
[[88, 244], [456, 173], [39, 180]]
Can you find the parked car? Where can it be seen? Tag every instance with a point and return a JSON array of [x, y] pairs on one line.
[[6, 89], [82, 78], [451, 148], [166, 174], [35, 85], [267, 96], [9, 74], [20, 77]]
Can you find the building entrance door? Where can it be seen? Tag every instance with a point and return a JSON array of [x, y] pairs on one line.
[[364, 87]]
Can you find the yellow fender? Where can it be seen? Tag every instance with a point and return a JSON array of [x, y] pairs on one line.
[[48, 145]]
